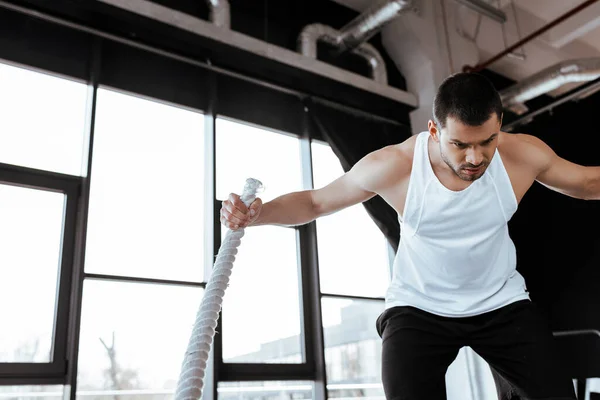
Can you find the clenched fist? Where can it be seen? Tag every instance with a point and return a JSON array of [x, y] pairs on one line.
[[235, 214]]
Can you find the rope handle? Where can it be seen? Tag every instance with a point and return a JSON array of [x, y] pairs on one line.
[[191, 378]]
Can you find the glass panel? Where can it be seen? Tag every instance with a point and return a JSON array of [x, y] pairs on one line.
[[349, 242], [146, 201], [593, 388], [352, 348], [267, 390], [31, 223], [245, 151], [261, 307], [43, 120], [133, 338], [54, 392]]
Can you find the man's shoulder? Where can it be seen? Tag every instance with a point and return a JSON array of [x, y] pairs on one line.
[[394, 161], [523, 149], [402, 152], [519, 145], [407, 147]]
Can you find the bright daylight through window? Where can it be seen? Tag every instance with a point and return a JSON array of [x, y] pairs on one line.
[[349, 243], [265, 280], [146, 216]]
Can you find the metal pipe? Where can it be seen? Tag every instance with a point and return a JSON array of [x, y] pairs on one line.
[[485, 9], [528, 38], [575, 94], [375, 60], [220, 14], [371, 21], [313, 33], [582, 70], [580, 332]]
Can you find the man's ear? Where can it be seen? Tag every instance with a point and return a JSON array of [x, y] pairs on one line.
[[433, 130]]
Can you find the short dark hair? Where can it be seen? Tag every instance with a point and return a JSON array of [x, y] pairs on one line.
[[469, 97]]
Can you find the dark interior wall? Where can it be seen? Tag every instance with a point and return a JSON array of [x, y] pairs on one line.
[[557, 237], [34, 41], [68, 51]]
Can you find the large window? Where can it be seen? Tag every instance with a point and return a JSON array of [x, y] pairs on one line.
[[43, 120], [352, 348], [31, 225], [349, 243], [145, 248], [261, 311], [42, 128], [261, 317], [247, 151], [146, 215], [102, 287], [353, 263], [133, 338]]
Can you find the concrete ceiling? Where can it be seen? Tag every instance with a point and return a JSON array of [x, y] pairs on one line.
[[583, 26], [577, 37]]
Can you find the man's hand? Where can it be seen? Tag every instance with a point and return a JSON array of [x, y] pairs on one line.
[[235, 214]]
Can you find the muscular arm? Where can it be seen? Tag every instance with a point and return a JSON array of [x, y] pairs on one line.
[[561, 175], [372, 174]]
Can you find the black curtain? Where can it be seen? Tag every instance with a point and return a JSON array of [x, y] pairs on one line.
[[352, 137], [557, 237], [558, 240]]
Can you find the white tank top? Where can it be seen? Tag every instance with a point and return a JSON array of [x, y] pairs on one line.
[[455, 257]]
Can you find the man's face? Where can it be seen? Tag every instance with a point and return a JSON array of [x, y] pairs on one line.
[[467, 150]]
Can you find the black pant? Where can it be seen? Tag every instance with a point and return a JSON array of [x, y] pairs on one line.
[[418, 348]]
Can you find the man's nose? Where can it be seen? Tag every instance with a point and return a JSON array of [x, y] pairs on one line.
[[474, 157]]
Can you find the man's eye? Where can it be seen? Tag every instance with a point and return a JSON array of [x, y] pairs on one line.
[[459, 145]]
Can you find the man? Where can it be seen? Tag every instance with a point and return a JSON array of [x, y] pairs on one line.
[[455, 283]]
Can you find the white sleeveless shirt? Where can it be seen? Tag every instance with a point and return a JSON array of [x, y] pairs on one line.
[[455, 257]]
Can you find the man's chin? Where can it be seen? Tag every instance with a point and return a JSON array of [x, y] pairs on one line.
[[470, 177]]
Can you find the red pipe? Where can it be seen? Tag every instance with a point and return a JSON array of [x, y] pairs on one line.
[[550, 25]]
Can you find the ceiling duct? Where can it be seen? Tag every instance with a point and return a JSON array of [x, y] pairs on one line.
[[216, 37], [311, 34], [353, 37], [371, 21], [551, 78]]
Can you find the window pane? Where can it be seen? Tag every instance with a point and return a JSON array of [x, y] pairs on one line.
[[31, 223], [54, 392], [146, 202], [43, 120], [245, 151], [261, 307], [349, 242], [133, 337], [267, 390], [352, 348]]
